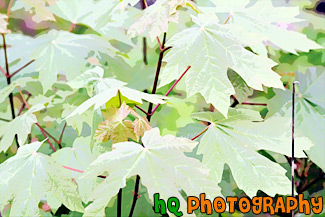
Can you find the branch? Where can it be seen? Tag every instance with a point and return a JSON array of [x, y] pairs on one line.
[[24, 105], [154, 88], [37, 124], [11, 98], [248, 103], [166, 94], [3, 72], [21, 68], [61, 136]]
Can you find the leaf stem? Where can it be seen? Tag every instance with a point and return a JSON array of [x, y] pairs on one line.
[[198, 135], [166, 94], [11, 98], [21, 68], [2, 119], [80, 171]]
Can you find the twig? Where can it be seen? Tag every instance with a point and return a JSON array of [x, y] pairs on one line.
[[3, 72], [24, 105], [293, 143], [248, 103], [154, 88], [61, 136], [11, 98], [166, 94], [21, 68], [9, 9], [119, 203], [144, 51], [203, 131]]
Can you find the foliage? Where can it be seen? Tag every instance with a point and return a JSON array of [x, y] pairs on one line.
[[105, 103]]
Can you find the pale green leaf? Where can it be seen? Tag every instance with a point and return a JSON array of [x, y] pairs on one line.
[[109, 92], [309, 110], [57, 47], [161, 164], [21, 126], [157, 16], [236, 140], [78, 157], [264, 19], [211, 49], [29, 176]]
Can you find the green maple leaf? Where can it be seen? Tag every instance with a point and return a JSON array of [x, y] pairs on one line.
[[21, 126], [59, 47], [241, 88], [29, 176], [78, 157], [3, 24], [157, 16], [109, 18], [115, 126], [236, 140], [38, 7], [262, 18], [211, 48], [110, 91], [309, 110], [161, 164]]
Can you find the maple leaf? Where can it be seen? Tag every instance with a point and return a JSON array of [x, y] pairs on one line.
[[42, 176], [263, 18], [161, 164], [115, 126], [211, 48], [157, 16], [111, 92], [236, 140]]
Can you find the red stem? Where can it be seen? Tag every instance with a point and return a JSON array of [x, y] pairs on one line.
[[21, 68], [166, 94]]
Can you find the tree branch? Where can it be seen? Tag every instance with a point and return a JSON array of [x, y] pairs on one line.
[[21, 68], [154, 88], [166, 94], [11, 98]]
